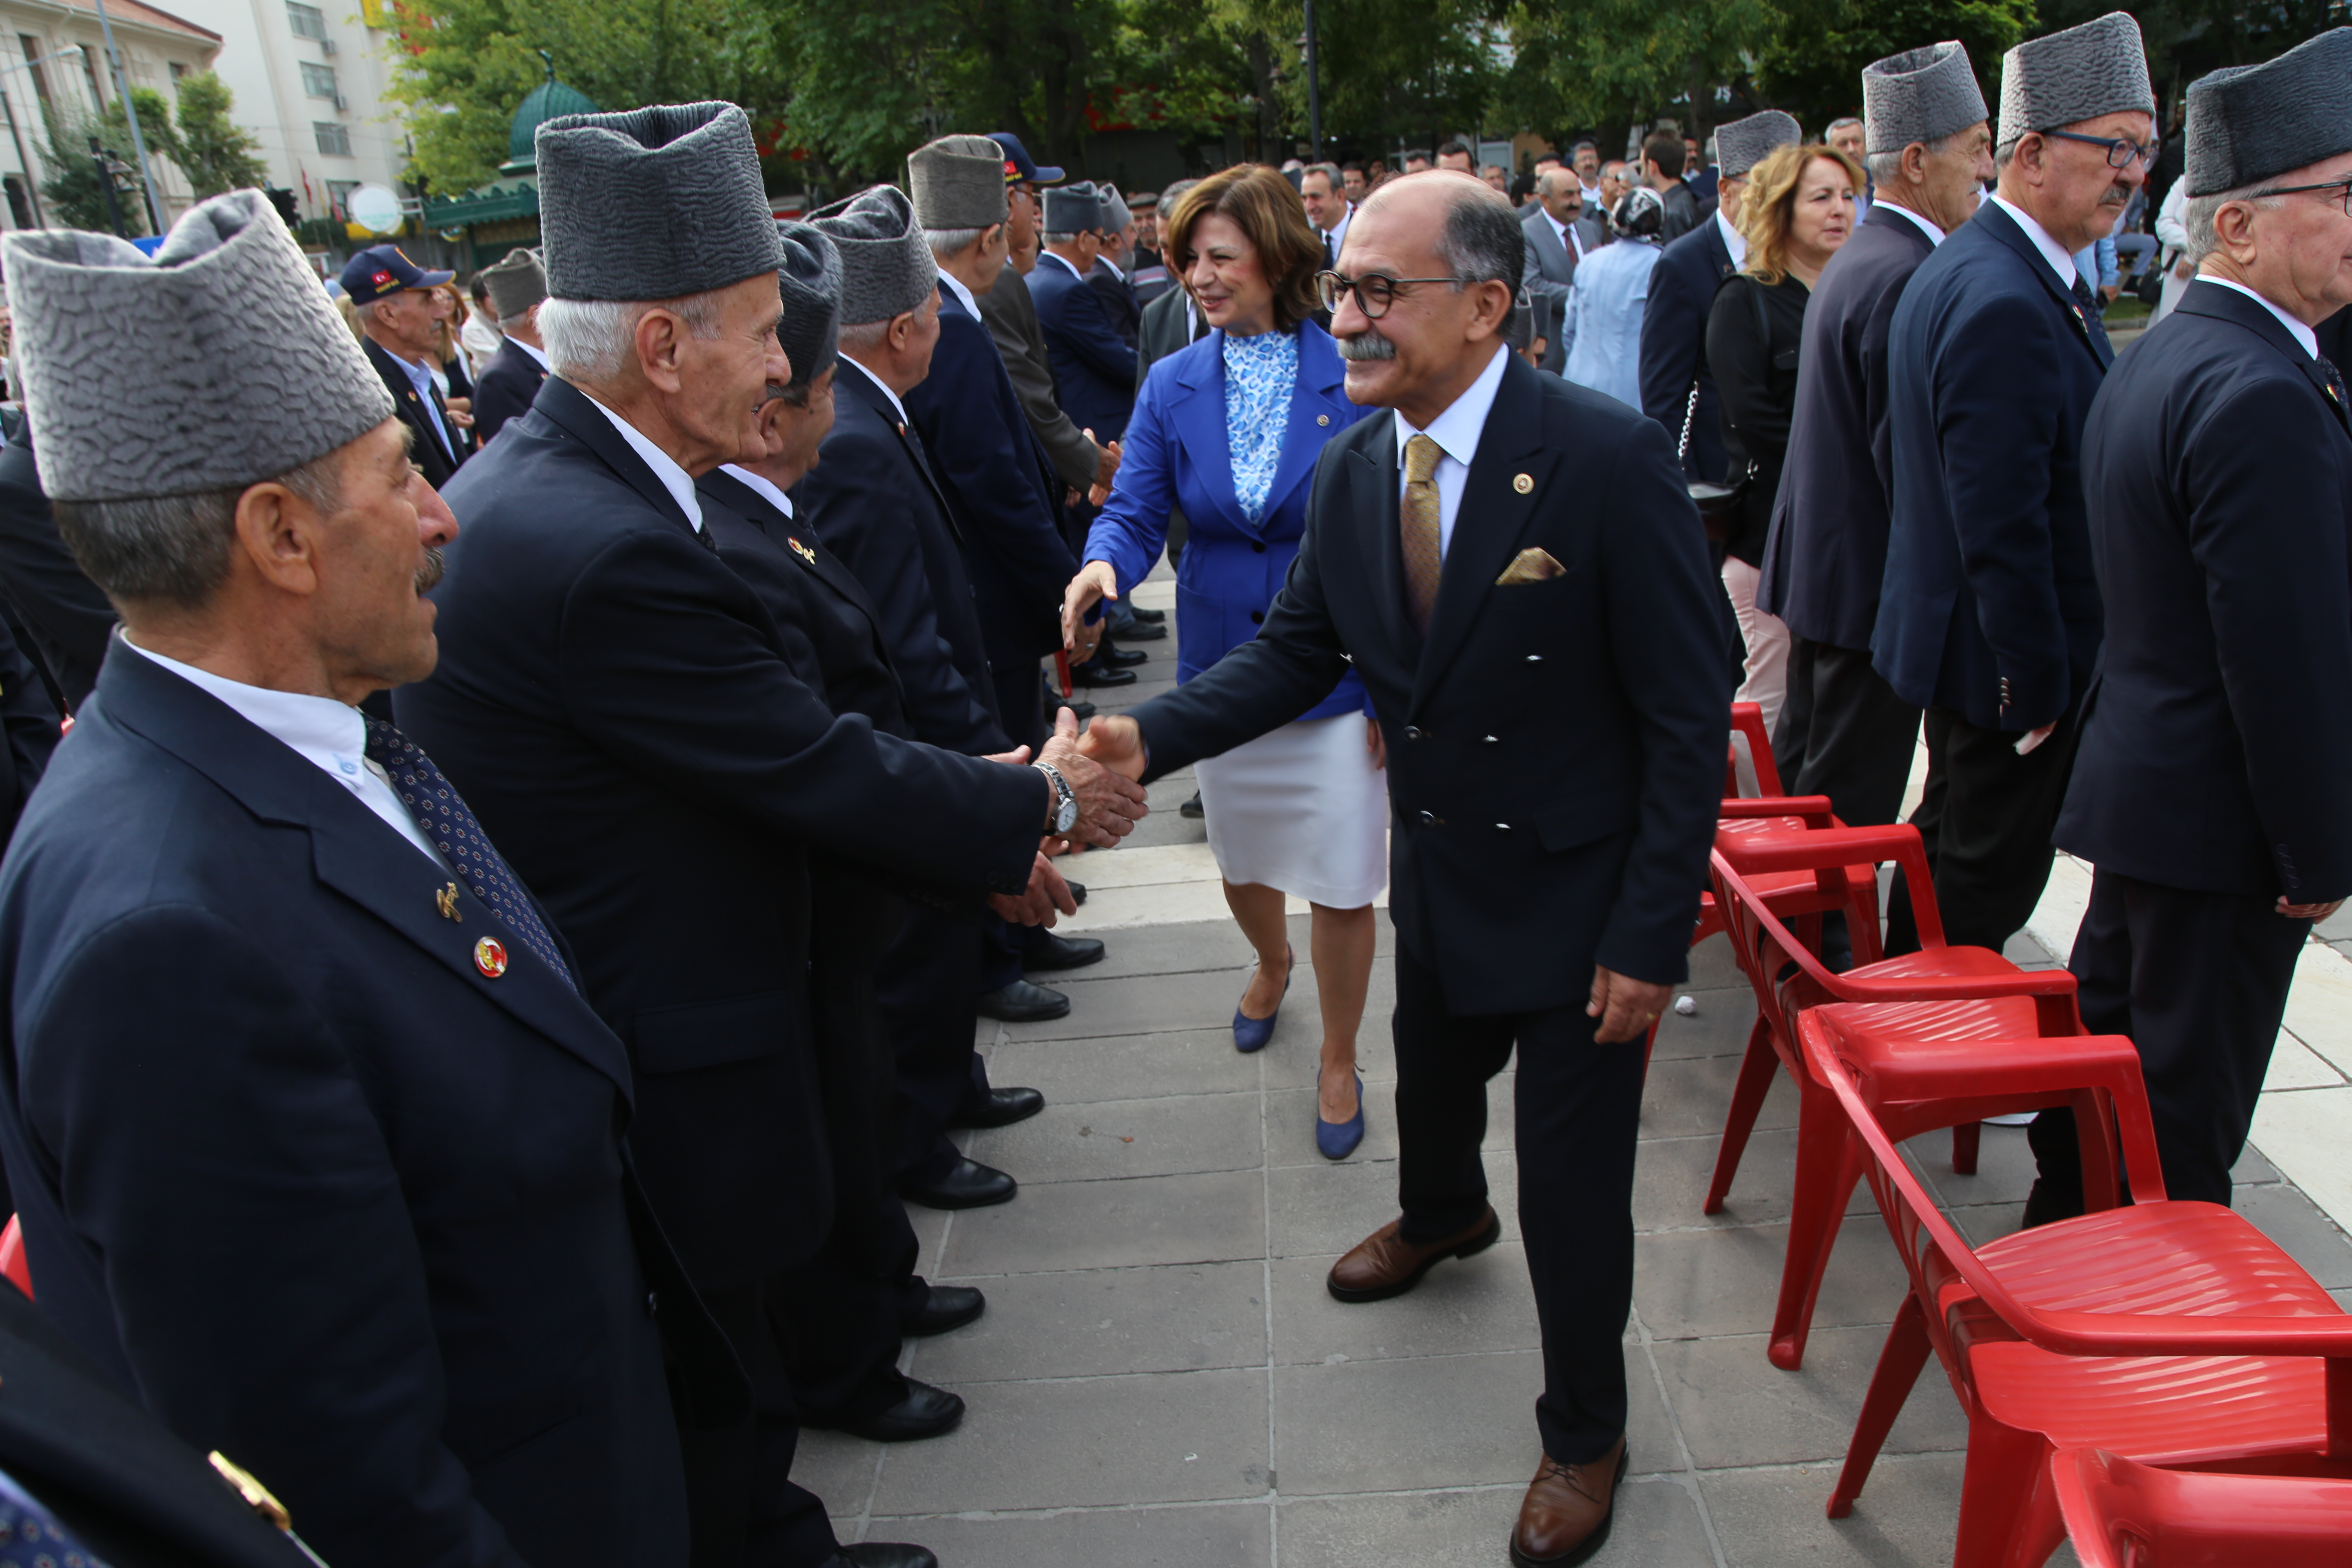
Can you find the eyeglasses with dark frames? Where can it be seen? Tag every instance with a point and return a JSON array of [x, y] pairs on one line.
[[2120, 151], [2341, 187], [1375, 291]]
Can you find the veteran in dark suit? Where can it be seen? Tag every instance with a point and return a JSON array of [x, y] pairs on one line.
[[393, 297], [337, 1188], [1988, 614], [1094, 365], [1558, 238], [1513, 566], [509, 383], [618, 706], [1844, 732], [67, 620], [2213, 787]]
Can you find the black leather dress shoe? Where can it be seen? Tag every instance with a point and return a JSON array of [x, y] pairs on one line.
[[1051, 951], [1121, 657], [970, 1185], [1140, 630], [1080, 709], [1193, 810], [1148, 618], [1095, 672], [945, 1307], [883, 1555], [1077, 893], [1022, 1003], [926, 1412], [999, 1108]]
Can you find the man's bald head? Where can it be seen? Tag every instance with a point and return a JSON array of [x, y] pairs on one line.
[[1434, 337]]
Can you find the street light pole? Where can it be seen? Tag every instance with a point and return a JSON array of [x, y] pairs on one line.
[[1314, 88], [130, 110]]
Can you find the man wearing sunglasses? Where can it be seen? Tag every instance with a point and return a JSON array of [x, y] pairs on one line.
[[1988, 617], [2213, 790]]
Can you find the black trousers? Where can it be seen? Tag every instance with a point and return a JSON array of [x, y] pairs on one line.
[[1579, 1106], [1020, 703], [928, 984], [1844, 734], [742, 1507], [2198, 982], [1986, 820]]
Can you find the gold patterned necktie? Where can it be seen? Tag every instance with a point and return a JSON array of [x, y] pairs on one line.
[[1420, 517]]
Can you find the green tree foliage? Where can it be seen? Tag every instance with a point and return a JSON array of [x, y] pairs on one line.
[[1814, 67], [214, 152], [1607, 62], [70, 183]]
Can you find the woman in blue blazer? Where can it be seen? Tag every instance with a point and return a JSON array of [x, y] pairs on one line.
[[1230, 428]]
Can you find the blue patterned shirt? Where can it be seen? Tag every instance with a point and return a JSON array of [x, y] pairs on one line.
[[1260, 371]]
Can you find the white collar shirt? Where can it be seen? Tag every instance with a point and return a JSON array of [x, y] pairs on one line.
[[1733, 240], [2061, 260], [538, 354], [885, 385], [1340, 235], [329, 735], [674, 478], [420, 377], [1456, 432], [766, 487], [1570, 240], [1068, 265], [2302, 335], [1112, 266], [964, 297], [1927, 226]]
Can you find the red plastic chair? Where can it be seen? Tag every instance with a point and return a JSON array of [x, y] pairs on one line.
[[2123, 1514], [2168, 1332], [1770, 811], [1937, 993], [12, 1258]]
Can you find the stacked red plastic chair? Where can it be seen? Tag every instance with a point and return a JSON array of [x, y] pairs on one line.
[[2123, 1514]]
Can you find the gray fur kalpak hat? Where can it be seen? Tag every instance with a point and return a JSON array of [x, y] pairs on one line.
[[885, 263], [810, 282], [1744, 144], [143, 376], [1115, 215], [958, 183], [1919, 95], [515, 283], [652, 204], [1072, 209], [2080, 74], [2252, 123]]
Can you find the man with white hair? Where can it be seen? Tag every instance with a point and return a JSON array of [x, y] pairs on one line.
[[510, 380], [620, 709]]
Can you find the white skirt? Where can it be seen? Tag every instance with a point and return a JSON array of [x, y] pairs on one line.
[[1301, 809]]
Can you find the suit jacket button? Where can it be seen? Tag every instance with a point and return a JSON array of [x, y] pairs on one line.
[[1534, 658], [1502, 827], [1258, 545], [1428, 819], [653, 1303], [1489, 740], [1413, 732], [1257, 618]]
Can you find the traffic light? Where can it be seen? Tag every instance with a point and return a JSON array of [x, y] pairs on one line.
[[283, 200]]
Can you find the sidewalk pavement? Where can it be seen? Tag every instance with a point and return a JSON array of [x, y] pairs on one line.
[[1162, 1380]]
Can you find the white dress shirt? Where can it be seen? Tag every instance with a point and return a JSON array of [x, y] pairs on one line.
[[1068, 264], [1340, 235], [330, 735], [421, 377], [2061, 260], [776, 498], [1570, 240], [538, 354], [675, 479], [1733, 240], [1457, 431], [882, 385], [964, 296], [2303, 334], [1934, 231]]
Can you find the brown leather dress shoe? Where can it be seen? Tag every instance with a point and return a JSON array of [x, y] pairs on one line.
[[1383, 1265], [1568, 1511]]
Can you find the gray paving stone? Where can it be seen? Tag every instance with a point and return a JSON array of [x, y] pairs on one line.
[[1657, 1523], [1984, 1223], [1224, 1535], [1211, 1218], [1110, 1139], [1671, 1177], [2252, 1168], [839, 1469], [1689, 1099], [1719, 1028], [1133, 1005], [1486, 1304], [1089, 1442], [1325, 1209], [1907, 1516], [1126, 1066], [1737, 1408], [1712, 967], [1696, 1284], [2004, 1167], [2297, 1223], [1185, 949], [1291, 1115], [1100, 1321], [1163, 823]]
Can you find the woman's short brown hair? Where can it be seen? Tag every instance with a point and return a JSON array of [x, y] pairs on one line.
[[1768, 210], [1269, 211]]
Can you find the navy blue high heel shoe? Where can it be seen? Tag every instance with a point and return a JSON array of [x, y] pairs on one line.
[[1338, 1140], [1252, 1034]]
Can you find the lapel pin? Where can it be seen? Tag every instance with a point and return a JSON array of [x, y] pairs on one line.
[[1322, 419], [802, 551], [446, 900], [1522, 483], [491, 958]]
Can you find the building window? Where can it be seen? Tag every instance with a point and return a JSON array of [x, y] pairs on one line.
[[317, 80], [339, 198], [307, 21], [33, 51], [89, 69], [20, 204], [334, 139], [179, 74]]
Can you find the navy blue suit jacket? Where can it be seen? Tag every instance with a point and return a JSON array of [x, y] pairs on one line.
[[66, 619], [1827, 552], [1094, 366], [291, 1169], [999, 487], [1989, 607], [876, 502], [1556, 747], [505, 391], [1673, 345], [2217, 750], [617, 706]]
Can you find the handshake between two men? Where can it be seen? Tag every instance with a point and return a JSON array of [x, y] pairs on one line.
[[1108, 803]]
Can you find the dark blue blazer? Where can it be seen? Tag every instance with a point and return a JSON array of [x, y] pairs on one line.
[[1000, 486], [1674, 345], [1094, 366], [291, 1168], [1989, 607], [617, 706], [1555, 747], [878, 505], [66, 619], [2216, 751], [507, 384], [1176, 455], [1119, 299], [1827, 550]]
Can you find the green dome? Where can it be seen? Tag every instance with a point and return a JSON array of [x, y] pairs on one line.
[[546, 101]]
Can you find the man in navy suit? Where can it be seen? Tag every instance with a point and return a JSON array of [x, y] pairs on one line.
[[1094, 366], [1506, 547], [509, 383], [1988, 617], [2213, 787], [336, 1184], [1845, 733], [394, 301]]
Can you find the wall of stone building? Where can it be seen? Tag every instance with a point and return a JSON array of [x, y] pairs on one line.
[[153, 57]]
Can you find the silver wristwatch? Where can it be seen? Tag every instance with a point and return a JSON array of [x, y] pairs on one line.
[[1065, 800]]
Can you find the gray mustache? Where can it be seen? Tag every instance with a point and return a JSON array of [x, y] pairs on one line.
[[1366, 346], [429, 575]]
